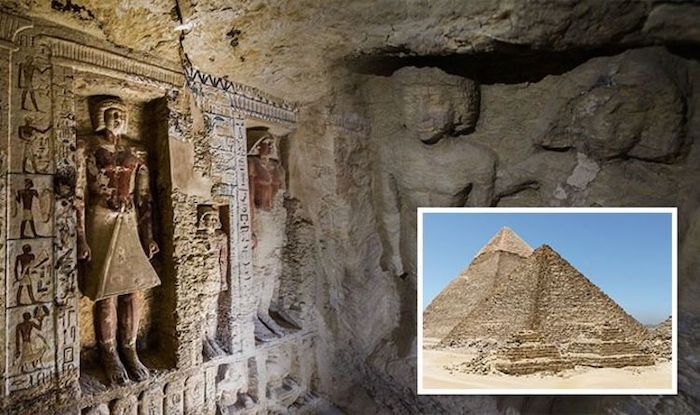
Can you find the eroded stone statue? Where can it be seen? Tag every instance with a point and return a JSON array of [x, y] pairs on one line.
[[434, 111], [266, 180], [216, 240], [115, 236]]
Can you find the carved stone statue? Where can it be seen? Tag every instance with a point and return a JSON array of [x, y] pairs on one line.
[[115, 236], [216, 240], [232, 390], [427, 131], [266, 179], [266, 173]]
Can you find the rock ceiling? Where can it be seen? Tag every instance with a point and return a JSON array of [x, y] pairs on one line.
[[289, 48]]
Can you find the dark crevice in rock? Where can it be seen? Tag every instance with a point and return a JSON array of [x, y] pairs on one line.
[[510, 64], [81, 12]]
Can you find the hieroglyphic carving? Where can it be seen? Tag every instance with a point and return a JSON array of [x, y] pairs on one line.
[[210, 379], [9, 27], [65, 257], [68, 52], [174, 401], [194, 393], [31, 206], [31, 265], [30, 350], [246, 100], [152, 402], [125, 406], [4, 140]]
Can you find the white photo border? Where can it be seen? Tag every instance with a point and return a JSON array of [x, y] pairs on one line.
[[560, 391]]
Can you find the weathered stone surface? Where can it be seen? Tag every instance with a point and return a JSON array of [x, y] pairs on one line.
[[547, 294], [494, 261]]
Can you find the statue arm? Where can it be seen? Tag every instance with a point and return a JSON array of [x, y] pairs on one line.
[[144, 204], [80, 196], [251, 198], [389, 221]]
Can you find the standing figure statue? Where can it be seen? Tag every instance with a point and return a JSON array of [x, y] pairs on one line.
[[266, 179], [216, 242], [115, 236]]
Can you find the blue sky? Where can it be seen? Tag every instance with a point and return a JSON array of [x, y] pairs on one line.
[[627, 255]]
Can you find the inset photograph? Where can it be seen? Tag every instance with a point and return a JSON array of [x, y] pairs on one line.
[[547, 301]]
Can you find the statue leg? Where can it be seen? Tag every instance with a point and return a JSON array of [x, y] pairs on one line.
[[129, 317], [106, 313], [267, 292]]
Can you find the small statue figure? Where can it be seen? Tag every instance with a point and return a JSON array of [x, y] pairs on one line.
[[266, 179], [232, 391], [217, 245], [266, 174], [115, 236]]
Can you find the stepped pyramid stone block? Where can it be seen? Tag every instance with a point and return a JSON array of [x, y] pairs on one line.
[[526, 353], [503, 253], [660, 341], [607, 349], [547, 294]]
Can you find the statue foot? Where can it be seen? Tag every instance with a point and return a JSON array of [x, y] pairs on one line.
[[262, 333], [211, 349], [116, 373], [271, 324], [137, 370], [246, 400]]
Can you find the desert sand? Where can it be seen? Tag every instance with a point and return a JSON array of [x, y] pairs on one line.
[[436, 376]]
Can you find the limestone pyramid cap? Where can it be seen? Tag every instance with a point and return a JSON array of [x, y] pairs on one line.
[[506, 241]]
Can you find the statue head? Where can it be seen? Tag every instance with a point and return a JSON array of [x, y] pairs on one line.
[[26, 248], [28, 184], [434, 104], [110, 114], [209, 221], [264, 147]]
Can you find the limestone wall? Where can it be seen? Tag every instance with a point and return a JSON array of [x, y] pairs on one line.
[[189, 130]]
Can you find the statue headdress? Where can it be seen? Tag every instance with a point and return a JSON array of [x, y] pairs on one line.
[[255, 149], [98, 112]]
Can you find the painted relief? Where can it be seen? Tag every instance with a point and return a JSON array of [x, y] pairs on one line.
[[31, 266], [31, 206]]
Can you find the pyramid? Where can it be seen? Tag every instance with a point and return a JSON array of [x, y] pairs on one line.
[[548, 295], [501, 255]]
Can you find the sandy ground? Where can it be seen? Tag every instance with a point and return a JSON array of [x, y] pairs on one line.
[[435, 376]]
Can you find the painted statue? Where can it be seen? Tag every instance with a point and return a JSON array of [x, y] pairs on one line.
[[266, 181], [115, 236], [216, 241]]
